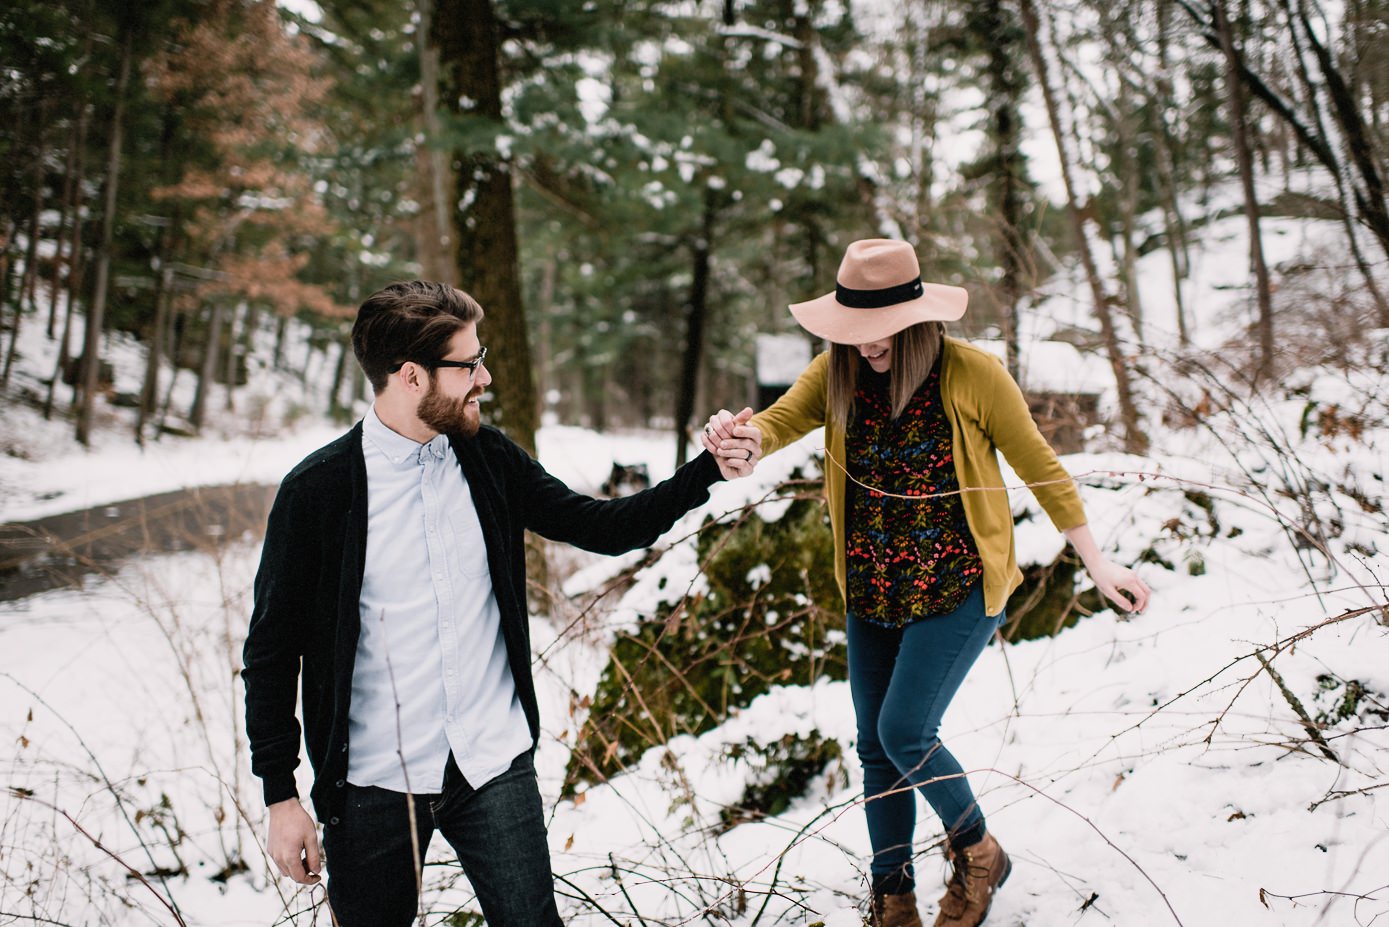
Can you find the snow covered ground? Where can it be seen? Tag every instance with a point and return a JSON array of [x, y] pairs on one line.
[[1146, 771], [1141, 772]]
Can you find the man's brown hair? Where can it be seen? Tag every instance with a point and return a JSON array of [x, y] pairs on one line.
[[413, 321]]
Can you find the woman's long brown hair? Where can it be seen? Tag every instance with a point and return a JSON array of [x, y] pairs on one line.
[[914, 352]]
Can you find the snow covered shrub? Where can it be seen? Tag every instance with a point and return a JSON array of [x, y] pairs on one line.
[[1341, 700], [783, 771], [769, 615]]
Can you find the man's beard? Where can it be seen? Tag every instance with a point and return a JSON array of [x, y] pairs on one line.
[[447, 415]]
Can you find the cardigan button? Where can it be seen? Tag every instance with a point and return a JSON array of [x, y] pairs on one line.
[[340, 783], [333, 821]]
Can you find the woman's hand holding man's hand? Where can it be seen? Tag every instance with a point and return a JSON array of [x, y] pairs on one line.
[[736, 445]]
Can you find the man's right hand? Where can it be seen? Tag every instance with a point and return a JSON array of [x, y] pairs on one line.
[[293, 843]]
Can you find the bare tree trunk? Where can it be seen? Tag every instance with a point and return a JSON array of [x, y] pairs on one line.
[[154, 354], [1135, 442], [549, 275], [1129, 169], [31, 249], [64, 357], [177, 324], [999, 36], [229, 369], [29, 281], [436, 252], [465, 34], [1165, 152], [76, 138], [335, 405], [72, 289], [695, 318], [96, 312], [207, 373], [281, 328], [1235, 93]]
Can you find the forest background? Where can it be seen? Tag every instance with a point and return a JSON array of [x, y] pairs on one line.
[[633, 190], [1171, 216]]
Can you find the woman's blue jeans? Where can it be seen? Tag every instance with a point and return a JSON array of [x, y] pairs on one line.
[[902, 680]]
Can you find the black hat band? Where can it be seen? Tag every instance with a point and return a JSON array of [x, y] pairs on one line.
[[878, 299]]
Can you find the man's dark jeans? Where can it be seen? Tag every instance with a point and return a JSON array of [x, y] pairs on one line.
[[497, 831]]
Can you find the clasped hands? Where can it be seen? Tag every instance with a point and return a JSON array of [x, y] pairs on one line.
[[735, 445]]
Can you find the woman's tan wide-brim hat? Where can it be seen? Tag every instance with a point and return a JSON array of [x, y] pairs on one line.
[[878, 292]]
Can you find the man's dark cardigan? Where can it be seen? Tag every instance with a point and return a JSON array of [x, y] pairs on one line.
[[305, 620]]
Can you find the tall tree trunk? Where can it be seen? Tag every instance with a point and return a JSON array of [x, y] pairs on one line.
[[1000, 35], [484, 224], [177, 326], [695, 317], [1130, 169], [96, 312], [545, 299], [76, 138], [1244, 157], [72, 288], [335, 405], [1165, 151], [31, 249], [207, 371], [436, 251], [154, 354], [1135, 442], [281, 329], [229, 368], [64, 355]]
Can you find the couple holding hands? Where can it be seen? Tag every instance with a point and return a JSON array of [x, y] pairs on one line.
[[391, 592]]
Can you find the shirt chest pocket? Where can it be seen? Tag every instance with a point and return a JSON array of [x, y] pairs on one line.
[[469, 544]]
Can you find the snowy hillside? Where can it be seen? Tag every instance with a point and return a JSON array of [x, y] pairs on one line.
[[1141, 772], [1220, 760]]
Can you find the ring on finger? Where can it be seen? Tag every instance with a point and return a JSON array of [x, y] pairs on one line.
[[749, 456]]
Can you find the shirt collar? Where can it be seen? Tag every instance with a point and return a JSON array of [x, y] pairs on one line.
[[402, 452]]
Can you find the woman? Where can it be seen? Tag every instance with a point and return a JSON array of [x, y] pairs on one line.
[[923, 533]]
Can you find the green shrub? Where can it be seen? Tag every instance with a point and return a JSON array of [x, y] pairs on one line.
[[782, 771], [771, 616]]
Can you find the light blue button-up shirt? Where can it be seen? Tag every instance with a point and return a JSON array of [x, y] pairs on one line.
[[431, 673]]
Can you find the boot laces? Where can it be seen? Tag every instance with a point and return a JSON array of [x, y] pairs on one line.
[[957, 890]]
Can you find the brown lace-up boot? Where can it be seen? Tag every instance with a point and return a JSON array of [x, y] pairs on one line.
[[979, 870], [894, 911]]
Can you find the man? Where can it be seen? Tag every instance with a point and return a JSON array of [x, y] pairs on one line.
[[391, 585]]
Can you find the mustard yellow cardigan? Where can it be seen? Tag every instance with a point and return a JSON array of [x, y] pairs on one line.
[[987, 413]]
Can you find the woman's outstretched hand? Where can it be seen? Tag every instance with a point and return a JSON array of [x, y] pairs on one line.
[[736, 445], [1120, 585]]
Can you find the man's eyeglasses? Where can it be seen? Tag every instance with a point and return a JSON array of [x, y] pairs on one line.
[[469, 365]]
